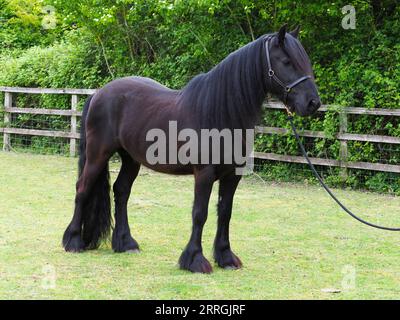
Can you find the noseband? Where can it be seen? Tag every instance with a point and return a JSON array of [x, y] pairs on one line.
[[272, 76]]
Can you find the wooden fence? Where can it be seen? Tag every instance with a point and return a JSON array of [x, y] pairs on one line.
[[343, 136], [73, 113]]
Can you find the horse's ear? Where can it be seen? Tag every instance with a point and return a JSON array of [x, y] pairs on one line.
[[281, 34], [295, 32]]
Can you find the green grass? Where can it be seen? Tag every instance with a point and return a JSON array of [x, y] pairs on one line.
[[293, 240]]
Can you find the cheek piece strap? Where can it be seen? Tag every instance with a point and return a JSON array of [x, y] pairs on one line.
[[287, 89], [272, 76]]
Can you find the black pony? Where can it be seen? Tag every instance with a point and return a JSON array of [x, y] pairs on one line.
[[118, 116]]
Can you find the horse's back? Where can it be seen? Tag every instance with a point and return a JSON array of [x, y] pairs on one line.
[[132, 85], [126, 109], [130, 94]]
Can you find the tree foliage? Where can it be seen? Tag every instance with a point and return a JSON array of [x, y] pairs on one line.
[[95, 41]]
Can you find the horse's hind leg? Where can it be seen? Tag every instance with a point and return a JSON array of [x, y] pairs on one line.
[[122, 240], [223, 254], [92, 171]]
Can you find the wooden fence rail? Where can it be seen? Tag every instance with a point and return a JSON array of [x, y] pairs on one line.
[[73, 113], [343, 136]]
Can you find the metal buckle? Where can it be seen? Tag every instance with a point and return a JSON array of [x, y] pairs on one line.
[[288, 111], [271, 73]]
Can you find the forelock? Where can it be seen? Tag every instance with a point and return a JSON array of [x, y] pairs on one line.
[[297, 54]]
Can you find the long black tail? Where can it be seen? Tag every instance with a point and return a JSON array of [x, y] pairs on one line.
[[97, 220]]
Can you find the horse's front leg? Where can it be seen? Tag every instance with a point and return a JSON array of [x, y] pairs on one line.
[[223, 254], [192, 257]]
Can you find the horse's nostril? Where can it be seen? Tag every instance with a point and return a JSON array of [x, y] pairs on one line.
[[315, 103]]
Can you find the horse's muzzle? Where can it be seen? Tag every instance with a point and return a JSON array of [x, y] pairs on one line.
[[314, 105]]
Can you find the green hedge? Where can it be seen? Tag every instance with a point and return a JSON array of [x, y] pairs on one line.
[[171, 41]]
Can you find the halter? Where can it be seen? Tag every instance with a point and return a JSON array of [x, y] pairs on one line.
[[287, 89], [272, 76]]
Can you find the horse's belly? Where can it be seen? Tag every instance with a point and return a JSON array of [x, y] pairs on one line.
[[175, 169]]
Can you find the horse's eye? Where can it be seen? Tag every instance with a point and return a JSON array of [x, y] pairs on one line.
[[286, 60]]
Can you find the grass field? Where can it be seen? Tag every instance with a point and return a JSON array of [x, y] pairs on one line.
[[294, 242]]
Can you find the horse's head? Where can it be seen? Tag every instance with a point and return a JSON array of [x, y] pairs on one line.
[[290, 74]]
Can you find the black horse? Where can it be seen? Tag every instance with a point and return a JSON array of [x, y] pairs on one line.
[[118, 116]]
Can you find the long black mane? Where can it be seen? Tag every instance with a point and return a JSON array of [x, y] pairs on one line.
[[230, 95], [297, 54]]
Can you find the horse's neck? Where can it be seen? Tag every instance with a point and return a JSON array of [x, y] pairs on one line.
[[250, 108], [230, 95]]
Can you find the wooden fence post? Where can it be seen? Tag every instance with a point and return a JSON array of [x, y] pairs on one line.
[[7, 120], [343, 152], [72, 141]]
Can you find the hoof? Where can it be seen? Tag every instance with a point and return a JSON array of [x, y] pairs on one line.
[[134, 251], [124, 243], [72, 242], [194, 262], [228, 260], [232, 267]]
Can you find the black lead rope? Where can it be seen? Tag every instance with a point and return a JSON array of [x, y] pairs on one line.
[[290, 118], [287, 89]]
